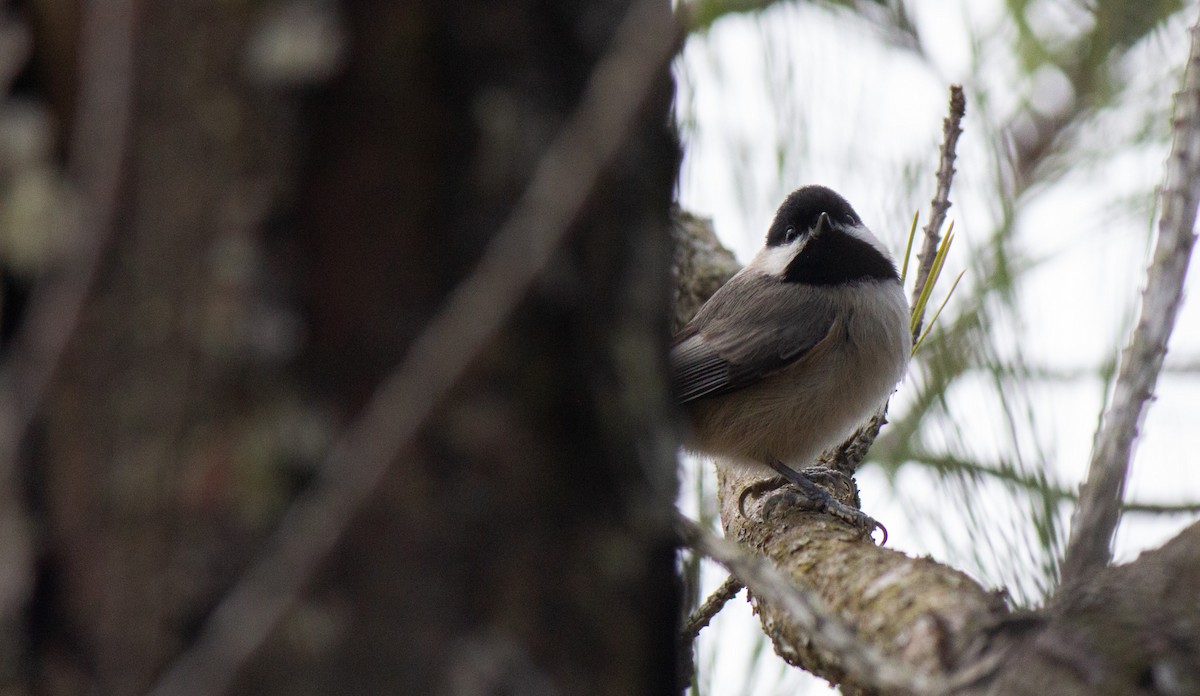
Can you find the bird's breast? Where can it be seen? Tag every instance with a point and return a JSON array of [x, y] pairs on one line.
[[797, 412]]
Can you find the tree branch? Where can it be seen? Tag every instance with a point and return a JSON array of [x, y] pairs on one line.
[[927, 615], [711, 607], [1090, 545], [1127, 629], [808, 612]]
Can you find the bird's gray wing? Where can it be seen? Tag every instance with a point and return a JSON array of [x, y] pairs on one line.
[[750, 328]]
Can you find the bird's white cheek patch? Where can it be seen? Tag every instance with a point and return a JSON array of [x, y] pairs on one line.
[[865, 235], [774, 260]]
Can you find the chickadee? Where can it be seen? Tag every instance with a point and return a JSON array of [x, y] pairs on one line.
[[799, 347]]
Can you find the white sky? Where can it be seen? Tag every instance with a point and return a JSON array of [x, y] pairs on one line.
[[797, 95]]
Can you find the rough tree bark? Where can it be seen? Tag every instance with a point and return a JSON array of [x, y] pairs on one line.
[[277, 248]]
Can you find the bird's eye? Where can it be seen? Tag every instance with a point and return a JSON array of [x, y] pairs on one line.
[[789, 235]]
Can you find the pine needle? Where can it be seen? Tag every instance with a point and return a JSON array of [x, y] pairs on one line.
[[938, 313], [939, 260], [912, 234]]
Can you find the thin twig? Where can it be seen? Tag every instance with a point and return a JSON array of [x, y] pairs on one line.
[[711, 606], [951, 129], [809, 613], [95, 162], [699, 619], [1090, 545], [471, 318]]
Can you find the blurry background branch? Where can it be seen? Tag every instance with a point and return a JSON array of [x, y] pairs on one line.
[[56, 234], [1037, 482]]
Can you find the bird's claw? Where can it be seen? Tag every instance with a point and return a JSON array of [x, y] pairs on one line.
[[855, 518], [818, 474], [804, 491]]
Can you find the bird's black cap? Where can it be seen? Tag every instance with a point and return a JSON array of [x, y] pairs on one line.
[[837, 256], [803, 207]]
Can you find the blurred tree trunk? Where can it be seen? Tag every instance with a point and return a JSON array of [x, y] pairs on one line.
[[276, 250]]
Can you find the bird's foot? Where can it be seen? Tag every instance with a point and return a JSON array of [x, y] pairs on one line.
[[807, 494], [821, 475]]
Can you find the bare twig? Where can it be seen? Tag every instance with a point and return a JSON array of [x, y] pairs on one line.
[[699, 619], [951, 129], [95, 160], [95, 155], [705, 612], [471, 318], [1090, 545], [810, 614]]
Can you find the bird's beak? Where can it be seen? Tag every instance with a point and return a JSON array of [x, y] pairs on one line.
[[823, 223]]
